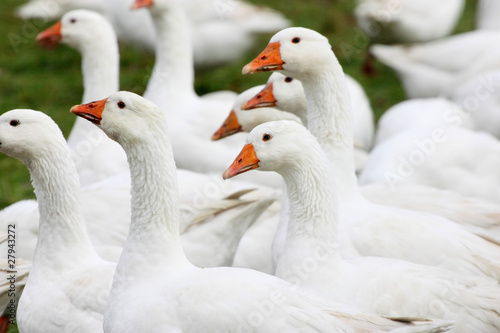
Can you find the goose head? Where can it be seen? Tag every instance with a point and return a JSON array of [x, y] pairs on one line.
[[296, 52], [282, 92], [273, 146], [76, 28], [24, 134], [241, 121], [123, 116]]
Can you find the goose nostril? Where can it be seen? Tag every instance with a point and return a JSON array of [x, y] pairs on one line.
[[240, 160], [263, 57]]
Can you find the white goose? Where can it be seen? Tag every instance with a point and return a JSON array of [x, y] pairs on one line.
[[96, 156], [155, 288], [478, 216], [171, 87], [220, 32], [312, 256], [407, 21], [67, 274], [436, 68], [374, 229]]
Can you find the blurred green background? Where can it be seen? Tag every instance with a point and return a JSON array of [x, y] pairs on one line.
[[50, 80]]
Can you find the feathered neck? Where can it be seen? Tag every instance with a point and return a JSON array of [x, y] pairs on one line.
[[62, 237], [100, 70], [153, 242], [330, 121], [172, 79], [313, 210]]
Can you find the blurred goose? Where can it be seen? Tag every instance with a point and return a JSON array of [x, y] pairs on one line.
[[220, 32], [311, 240], [407, 21], [487, 14], [375, 230], [436, 68], [480, 98], [435, 112], [97, 157], [156, 274], [67, 273], [171, 87]]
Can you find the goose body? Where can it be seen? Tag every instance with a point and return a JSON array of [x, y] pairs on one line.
[[436, 68], [186, 298], [407, 21], [307, 55]]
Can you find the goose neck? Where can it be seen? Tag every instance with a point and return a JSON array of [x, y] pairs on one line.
[[330, 121], [62, 234], [100, 68], [313, 206], [173, 72], [154, 231]]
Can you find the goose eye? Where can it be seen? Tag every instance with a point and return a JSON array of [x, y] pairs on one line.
[[73, 20], [288, 79], [266, 137], [121, 105], [14, 123], [296, 40]]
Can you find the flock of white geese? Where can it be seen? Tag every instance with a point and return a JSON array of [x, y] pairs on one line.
[[357, 229]]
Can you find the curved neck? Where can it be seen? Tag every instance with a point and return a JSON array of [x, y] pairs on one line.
[[100, 68], [313, 211], [62, 236], [173, 72], [330, 121], [154, 229]]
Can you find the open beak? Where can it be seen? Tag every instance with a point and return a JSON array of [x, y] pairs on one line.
[[229, 127], [142, 3], [91, 111], [246, 161], [267, 60], [265, 98], [51, 36]]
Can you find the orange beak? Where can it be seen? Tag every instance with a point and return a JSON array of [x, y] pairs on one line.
[[265, 98], [91, 111], [142, 3], [267, 60], [246, 161], [51, 36], [230, 127]]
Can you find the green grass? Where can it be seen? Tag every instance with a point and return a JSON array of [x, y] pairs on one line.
[[50, 81]]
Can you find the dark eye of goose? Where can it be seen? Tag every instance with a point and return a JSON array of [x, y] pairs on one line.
[[266, 137], [73, 20], [121, 105], [296, 40], [288, 79], [14, 123]]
